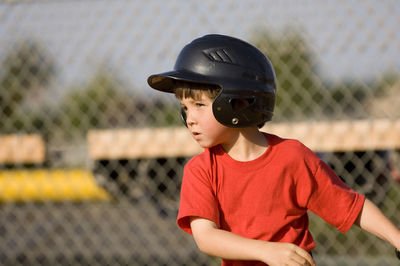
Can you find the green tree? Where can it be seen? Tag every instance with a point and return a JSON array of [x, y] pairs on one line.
[[298, 85], [26, 70], [102, 103], [163, 113], [302, 93]]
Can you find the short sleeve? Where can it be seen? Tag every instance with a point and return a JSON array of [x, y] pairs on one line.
[[332, 200], [197, 196]]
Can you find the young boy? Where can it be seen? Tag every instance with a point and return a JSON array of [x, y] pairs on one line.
[[245, 198]]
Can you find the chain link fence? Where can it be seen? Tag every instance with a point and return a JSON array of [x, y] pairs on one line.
[[69, 68]]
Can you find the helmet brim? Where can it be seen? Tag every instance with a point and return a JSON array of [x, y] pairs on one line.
[[165, 82]]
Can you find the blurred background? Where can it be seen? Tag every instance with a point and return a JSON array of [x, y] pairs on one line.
[[78, 183]]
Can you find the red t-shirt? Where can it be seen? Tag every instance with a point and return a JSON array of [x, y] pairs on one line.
[[266, 198]]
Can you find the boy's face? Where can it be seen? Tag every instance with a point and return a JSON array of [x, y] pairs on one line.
[[203, 126]]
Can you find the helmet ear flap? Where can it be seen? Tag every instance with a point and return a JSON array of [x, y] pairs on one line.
[[225, 107], [238, 111]]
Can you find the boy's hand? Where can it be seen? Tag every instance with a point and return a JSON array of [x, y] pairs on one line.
[[288, 254]]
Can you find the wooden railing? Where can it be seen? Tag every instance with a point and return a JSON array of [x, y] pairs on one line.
[[176, 141], [22, 149]]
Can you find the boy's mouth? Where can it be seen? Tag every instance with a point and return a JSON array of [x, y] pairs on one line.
[[195, 134]]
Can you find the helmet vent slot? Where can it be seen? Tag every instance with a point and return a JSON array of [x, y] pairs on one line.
[[241, 104], [218, 55]]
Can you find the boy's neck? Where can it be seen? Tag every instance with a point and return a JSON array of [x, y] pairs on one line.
[[248, 144]]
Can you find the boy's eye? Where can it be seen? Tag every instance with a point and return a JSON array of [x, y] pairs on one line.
[[199, 104]]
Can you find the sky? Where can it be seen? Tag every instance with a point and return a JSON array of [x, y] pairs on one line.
[[138, 38]]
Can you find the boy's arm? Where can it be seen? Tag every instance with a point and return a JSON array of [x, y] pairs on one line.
[[372, 220], [227, 245]]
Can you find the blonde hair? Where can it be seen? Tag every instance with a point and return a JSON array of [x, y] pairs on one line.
[[195, 90]]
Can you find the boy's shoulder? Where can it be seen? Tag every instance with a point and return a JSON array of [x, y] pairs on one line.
[[280, 142], [202, 158], [289, 147]]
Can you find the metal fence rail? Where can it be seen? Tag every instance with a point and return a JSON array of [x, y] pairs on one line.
[[72, 69]]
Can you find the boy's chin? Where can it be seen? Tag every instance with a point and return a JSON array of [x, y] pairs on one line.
[[207, 145]]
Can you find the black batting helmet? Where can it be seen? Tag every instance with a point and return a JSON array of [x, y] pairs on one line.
[[237, 67]]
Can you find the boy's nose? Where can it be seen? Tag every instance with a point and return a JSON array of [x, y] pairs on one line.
[[190, 119]]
